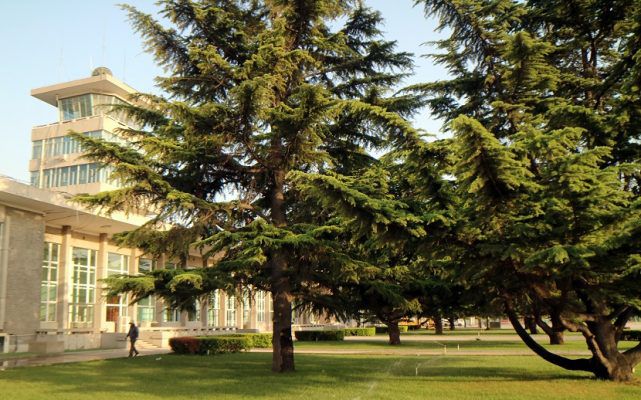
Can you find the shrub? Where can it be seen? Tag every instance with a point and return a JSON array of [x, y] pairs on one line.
[[185, 345], [210, 344], [384, 329], [369, 331], [632, 335], [258, 340], [224, 344], [317, 336]]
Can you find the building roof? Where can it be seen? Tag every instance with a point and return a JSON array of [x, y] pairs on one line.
[[57, 209], [102, 83]]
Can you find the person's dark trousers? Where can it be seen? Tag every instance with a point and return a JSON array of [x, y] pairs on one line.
[[132, 349]]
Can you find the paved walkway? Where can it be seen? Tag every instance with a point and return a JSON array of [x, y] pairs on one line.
[[76, 356]]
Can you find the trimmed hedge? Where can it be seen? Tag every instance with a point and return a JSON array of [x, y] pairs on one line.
[[318, 336], [210, 344], [258, 340], [369, 331], [383, 329], [631, 335]]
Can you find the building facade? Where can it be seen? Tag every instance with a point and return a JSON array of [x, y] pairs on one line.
[[54, 253]]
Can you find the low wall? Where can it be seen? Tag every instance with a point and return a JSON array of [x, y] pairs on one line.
[[160, 336]]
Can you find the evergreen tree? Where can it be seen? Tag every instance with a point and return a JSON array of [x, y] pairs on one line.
[[256, 90], [541, 103]]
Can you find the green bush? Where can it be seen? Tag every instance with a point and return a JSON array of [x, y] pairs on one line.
[[224, 344], [318, 336], [210, 344], [383, 329], [258, 340], [632, 335], [369, 331]]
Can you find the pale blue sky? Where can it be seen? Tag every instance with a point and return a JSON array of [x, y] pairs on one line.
[[44, 42]]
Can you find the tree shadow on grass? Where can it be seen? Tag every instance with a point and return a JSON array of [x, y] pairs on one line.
[[248, 375]]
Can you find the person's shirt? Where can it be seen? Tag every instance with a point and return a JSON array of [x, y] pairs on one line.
[[133, 332]]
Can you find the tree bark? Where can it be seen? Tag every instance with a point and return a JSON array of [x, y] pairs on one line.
[[438, 324], [282, 342], [394, 333], [554, 332], [452, 321], [600, 335], [530, 323]]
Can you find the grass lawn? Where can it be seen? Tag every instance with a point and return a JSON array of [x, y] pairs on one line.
[[376, 344], [247, 376]]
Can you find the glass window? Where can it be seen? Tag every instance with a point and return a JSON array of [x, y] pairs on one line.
[[260, 306], [171, 315], [36, 150], [117, 310], [49, 282], [82, 173], [145, 265], [64, 176], [246, 307], [73, 175], [117, 264], [194, 315], [35, 179], [76, 107], [230, 311], [214, 308], [93, 173], [83, 288], [146, 309]]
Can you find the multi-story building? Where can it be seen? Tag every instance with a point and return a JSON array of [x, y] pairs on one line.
[[84, 106], [54, 253]]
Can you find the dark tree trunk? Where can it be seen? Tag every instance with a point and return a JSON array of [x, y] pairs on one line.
[[452, 321], [282, 343], [530, 323], [554, 332], [556, 337], [438, 324], [394, 333], [606, 362]]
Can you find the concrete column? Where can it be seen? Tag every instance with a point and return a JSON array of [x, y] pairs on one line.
[[65, 275], [4, 266], [222, 312], [160, 305], [204, 314], [240, 312], [100, 307], [253, 313], [133, 270]]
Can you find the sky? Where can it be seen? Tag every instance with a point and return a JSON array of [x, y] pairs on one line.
[[44, 42]]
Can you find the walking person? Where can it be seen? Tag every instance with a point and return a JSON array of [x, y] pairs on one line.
[[133, 336]]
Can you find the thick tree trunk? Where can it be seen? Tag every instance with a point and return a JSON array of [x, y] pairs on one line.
[[393, 332], [556, 337], [452, 321], [554, 332], [530, 323], [438, 324], [282, 343], [606, 362]]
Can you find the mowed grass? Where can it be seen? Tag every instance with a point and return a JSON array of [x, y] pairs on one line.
[[379, 344], [248, 376]]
